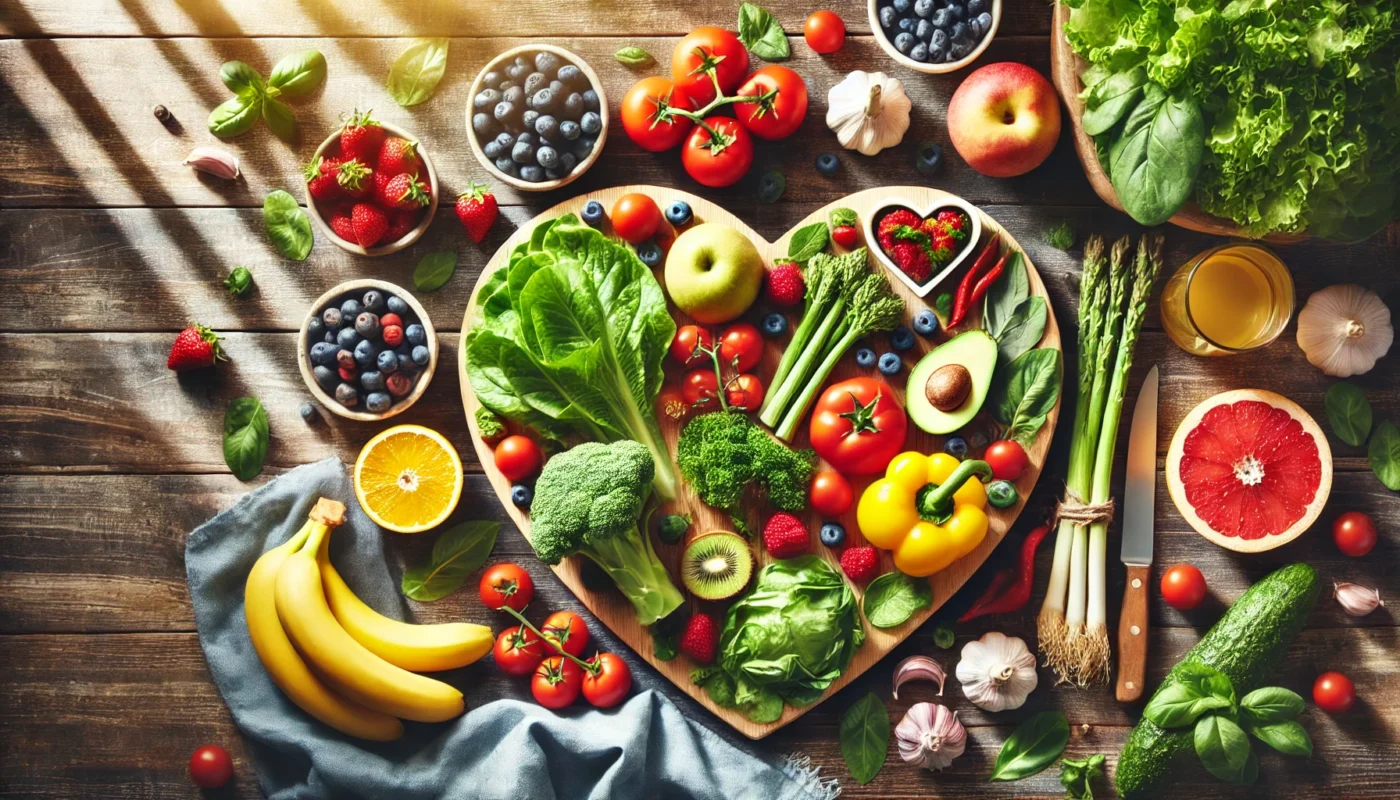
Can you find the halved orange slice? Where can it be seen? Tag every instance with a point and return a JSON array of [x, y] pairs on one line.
[[408, 478]]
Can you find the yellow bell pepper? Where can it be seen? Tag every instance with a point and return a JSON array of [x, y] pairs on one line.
[[926, 510]]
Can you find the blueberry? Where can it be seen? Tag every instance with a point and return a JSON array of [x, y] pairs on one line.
[[923, 8], [548, 157], [415, 334], [517, 70], [388, 362], [924, 31], [928, 158], [573, 105], [346, 395], [351, 308], [908, 25], [890, 363], [865, 357], [903, 6], [984, 20], [506, 164], [584, 146], [775, 324], [505, 112], [543, 100], [323, 353], [329, 337], [365, 353], [976, 7], [960, 32], [530, 118], [534, 82], [678, 213], [307, 412], [919, 52], [593, 213], [315, 329], [546, 62], [491, 78], [378, 402], [373, 300], [372, 380], [532, 173], [591, 123], [396, 305], [557, 88], [526, 137], [902, 339], [975, 26], [572, 74], [567, 162], [828, 164], [505, 139], [771, 186], [406, 364], [943, 19], [421, 355], [938, 43], [481, 123], [959, 50], [547, 125], [521, 495], [569, 129], [515, 96], [367, 325], [832, 534], [486, 98], [955, 446], [325, 378], [888, 17], [507, 84], [904, 42], [332, 319], [925, 323], [348, 338], [522, 153], [590, 100]]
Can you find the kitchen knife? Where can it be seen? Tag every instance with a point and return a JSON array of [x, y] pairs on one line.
[[1139, 496]]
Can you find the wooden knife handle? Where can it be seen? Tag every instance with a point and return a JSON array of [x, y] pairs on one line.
[[1132, 636]]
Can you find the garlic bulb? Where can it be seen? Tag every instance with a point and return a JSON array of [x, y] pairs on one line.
[[1356, 599], [1344, 330], [868, 111], [918, 668], [214, 160], [997, 672], [930, 736]]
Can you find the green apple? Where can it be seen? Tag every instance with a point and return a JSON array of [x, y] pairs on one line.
[[713, 273]]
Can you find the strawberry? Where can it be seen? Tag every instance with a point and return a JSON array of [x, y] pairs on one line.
[[844, 236], [342, 226], [700, 639], [370, 223], [892, 223], [400, 223], [860, 564], [355, 177], [398, 156], [785, 284], [321, 178], [380, 179], [955, 223], [784, 536], [404, 192], [477, 210], [912, 259], [941, 248], [360, 137], [196, 347]]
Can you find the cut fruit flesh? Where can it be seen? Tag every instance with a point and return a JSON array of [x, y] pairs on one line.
[[408, 479], [716, 566], [1249, 469]]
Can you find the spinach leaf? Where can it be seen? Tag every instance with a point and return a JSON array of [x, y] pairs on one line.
[[417, 71], [235, 115], [807, 241], [457, 553], [1286, 737], [287, 225], [843, 216], [434, 270], [1153, 164], [279, 119], [245, 437], [761, 33], [299, 73], [1077, 775], [1270, 705], [893, 598], [1023, 330], [1222, 747], [1033, 746], [1005, 296], [241, 79], [1348, 412], [757, 703], [633, 57], [717, 684], [865, 738], [1024, 393], [1384, 455], [1111, 99]]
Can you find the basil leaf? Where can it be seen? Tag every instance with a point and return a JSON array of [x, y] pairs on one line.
[[1153, 164], [1024, 393], [943, 304], [1287, 737], [807, 241], [865, 738], [245, 437], [1032, 747], [1348, 412], [298, 73], [235, 115], [239, 281], [1005, 295], [241, 78], [287, 225], [1111, 99], [1384, 455], [1180, 703], [761, 33], [892, 598], [1270, 705], [279, 119], [1023, 330], [1076, 775], [434, 270], [843, 216], [457, 553], [633, 57], [417, 71], [1222, 747]]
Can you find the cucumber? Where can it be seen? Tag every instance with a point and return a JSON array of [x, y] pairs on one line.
[[1246, 644]]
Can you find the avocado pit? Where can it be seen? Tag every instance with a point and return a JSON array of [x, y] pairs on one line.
[[948, 387]]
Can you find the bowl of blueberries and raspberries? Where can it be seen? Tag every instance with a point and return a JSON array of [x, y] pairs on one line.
[[367, 350], [537, 118], [935, 36]]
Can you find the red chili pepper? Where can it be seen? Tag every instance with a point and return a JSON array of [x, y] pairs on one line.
[[1010, 589], [986, 281], [963, 299]]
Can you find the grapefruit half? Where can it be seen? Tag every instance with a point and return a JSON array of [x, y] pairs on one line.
[[1249, 469]]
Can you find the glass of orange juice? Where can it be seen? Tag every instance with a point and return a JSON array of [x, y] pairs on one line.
[[1230, 299]]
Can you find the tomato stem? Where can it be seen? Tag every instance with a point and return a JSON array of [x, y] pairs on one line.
[[591, 669]]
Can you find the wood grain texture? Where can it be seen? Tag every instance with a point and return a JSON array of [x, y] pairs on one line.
[[1132, 635]]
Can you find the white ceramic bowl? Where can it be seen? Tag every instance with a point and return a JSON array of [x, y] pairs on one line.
[[388, 247], [974, 238], [923, 66]]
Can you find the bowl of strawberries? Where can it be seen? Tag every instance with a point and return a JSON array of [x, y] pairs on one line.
[[371, 187], [923, 246]]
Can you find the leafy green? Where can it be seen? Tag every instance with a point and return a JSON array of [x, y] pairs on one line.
[[239, 281], [1384, 455], [287, 225], [807, 241], [1033, 746], [434, 270], [1110, 100], [490, 425], [892, 598], [1348, 412], [1287, 737], [245, 437], [1077, 775], [1023, 330], [279, 119], [1025, 391], [241, 78], [1183, 702], [1153, 163], [865, 738], [299, 73], [1223, 748], [722, 453], [417, 71], [458, 552], [295, 75], [761, 33], [235, 115], [633, 57], [943, 636], [1005, 296], [1061, 236], [1270, 705], [673, 527], [843, 216]]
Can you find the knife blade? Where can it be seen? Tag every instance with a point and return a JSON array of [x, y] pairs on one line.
[[1139, 499]]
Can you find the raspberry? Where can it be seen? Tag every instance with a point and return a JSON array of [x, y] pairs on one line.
[[860, 564], [785, 536], [913, 260], [700, 639], [785, 285], [893, 221]]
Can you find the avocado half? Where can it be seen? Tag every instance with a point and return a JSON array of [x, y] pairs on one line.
[[974, 351]]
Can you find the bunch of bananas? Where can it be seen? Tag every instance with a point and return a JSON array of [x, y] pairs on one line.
[[340, 660]]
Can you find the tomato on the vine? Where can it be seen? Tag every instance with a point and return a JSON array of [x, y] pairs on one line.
[[779, 106], [744, 392], [825, 32], [700, 389], [635, 217], [671, 403], [211, 767], [831, 494], [518, 457], [719, 159], [646, 115], [706, 49], [1354, 533], [1183, 587], [506, 585], [518, 651], [1007, 459], [741, 347], [567, 630], [609, 682], [686, 344], [557, 682], [1334, 693], [858, 426]]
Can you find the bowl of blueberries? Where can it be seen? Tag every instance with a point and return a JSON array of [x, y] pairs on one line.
[[935, 36], [367, 350], [537, 118]]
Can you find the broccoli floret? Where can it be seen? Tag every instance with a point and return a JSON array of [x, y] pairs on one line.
[[490, 425], [588, 500], [721, 453], [1061, 237]]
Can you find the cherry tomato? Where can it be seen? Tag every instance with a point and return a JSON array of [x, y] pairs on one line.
[[635, 217], [518, 651], [1183, 587], [211, 767], [557, 682], [831, 494], [858, 426], [781, 105], [700, 389], [646, 117], [1007, 459], [518, 457], [506, 585], [671, 403], [708, 49], [825, 32], [1354, 533], [1334, 693], [685, 346], [567, 630], [741, 347], [610, 684], [720, 159], [744, 392]]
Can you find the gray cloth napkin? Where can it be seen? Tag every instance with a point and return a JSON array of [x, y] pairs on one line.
[[645, 748]]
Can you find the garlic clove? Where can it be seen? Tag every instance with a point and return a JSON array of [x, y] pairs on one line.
[[214, 160], [918, 668], [931, 736], [1355, 599]]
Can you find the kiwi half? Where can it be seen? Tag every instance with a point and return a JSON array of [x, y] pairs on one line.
[[716, 565]]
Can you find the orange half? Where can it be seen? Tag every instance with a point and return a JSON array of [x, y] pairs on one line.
[[408, 479]]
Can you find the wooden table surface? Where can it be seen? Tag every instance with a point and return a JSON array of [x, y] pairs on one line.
[[107, 460]]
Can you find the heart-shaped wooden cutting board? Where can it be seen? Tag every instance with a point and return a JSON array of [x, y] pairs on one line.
[[612, 608]]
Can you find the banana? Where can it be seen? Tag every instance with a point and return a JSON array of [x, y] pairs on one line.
[[287, 669], [419, 648], [359, 674]]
